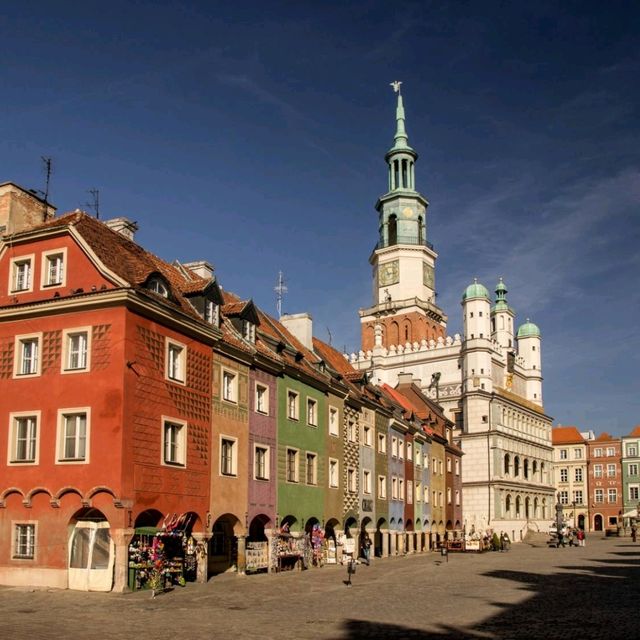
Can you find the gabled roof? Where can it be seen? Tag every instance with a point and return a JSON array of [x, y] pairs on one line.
[[244, 309], [566, 435], [605, 437], [635, 433]]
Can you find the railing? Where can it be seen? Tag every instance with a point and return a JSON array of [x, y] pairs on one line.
[[403, 240]]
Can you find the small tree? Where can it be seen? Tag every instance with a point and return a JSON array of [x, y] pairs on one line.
[[495, 542]]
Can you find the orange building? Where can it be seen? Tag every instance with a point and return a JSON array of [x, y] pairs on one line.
[[106, 367], [605, 482]]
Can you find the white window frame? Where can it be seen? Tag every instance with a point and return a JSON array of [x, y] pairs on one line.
[[232, 471], [577, 454], [633, 469], [632, 450], [634, 492], [334, 422], [334, 473], [293, 405], [352, 480], [180, 444], [18, 362], [457, 466], [31, 525], [612, 492], [14, 417], [401, 489], [578, 496], [409, 492], [248, 331], [410, 451], [212, 312], [382, 487], [382, 443], [367, 431], [394, 488], [175, 368], [611, 451], [394, 447], [417, 455], [352, 430], [261, 398], [311, 463], [400, 448], [597, 452], [564, 475], [67, 336], [425, 491], [45, 282], [578, 475], [229, 392], [312, 412], [366, 481], [457, 497], [61, 435], [418, 492], [449, 497], [611, 470], [266, 461], [598, 496], [564, 454], [597, 470], [13, 273], [295, 476]]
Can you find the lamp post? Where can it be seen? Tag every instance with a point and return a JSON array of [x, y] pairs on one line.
[[575, 517]]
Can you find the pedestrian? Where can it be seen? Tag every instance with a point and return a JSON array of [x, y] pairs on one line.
[[634, 532], [570, 537], [351, 569], [365, 544], [505, 540], [580, 536]]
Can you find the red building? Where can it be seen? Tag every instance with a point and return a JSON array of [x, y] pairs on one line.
[[605, 482], [106, 366]]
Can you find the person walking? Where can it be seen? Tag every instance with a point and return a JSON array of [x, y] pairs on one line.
[[634, 532], [365, 544], [580, 536]]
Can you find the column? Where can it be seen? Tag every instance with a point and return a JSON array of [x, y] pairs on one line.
[[393, 539], [121, 539], [271, 541], [202, 557], [385, 542], [242, 559]]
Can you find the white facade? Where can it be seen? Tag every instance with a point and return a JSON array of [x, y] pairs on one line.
[[489, 381]]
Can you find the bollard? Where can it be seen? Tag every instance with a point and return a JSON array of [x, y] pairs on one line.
[[444, 552]]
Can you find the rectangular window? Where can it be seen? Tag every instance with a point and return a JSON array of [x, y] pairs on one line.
[[366, 481], [334, 473], [262, 399], [292, 465], [418, 492], [27, 361], [633, 469], [174, 443], [440, 499], [457, 467], [577, 453], [351, 431], [24, 439], [611, 471], [448, 465], [229, 386], [24, 542], [563, 454], [409, 451], [312, 412], [382, 487], [426, 495], [441, 466], [394, 488], [633, 492], [400, 489], [53, 269], [578, 474], [597, 453], [367, 438], [352, 485], [578, 498], [448, 495], [409, 492], [434, 466], [76, 350], [400, 449], [21, 274], [333, 422], [382, 443], [597, 471], [175, 361], [248, 331], [435, 498], [228, 456], [632, 451], [312, 468], [211, 313], [564, 475], [261, 462], [72, 445], [425, 461], [612, 495], [457, 497], [611, 451], [394, 447], [292, 405], [417, 456], [599, 495]]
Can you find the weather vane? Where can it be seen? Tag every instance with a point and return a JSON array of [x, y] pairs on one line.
[[396, 85]]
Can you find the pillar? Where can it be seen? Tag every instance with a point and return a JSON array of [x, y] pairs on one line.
[[121, 539], [393, 539], [242, 558], [271, 542], [385, 542]]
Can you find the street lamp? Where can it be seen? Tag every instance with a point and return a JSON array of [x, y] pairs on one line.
[[575, 518]]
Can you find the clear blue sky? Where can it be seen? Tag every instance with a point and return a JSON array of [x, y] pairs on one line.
[[252, 134]]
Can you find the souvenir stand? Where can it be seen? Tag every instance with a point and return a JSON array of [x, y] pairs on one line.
[[257, 557], [289, 550], [162, 556]]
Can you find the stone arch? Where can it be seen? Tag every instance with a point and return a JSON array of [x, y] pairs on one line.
[[350, 527], [507, 504], [66, 490], [330, 528], [87, 513], [310, 523], [407, 331], [289, 522], [9, 492], [527, 507], [507, 464], [257, 526], [393, 337], [34, 492], [367, 525], [223, 547], [148, 518], [518, 505], [409, 525], [100, 489]]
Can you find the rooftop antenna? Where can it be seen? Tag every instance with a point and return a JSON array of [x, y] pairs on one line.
[[47, 170], [280, 290], [330, 338], [95, 205]]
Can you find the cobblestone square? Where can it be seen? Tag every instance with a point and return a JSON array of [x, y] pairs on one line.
[[528, 592]]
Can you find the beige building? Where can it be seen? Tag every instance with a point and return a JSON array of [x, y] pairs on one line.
[[570, 475]]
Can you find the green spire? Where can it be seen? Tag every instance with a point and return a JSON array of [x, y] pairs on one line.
[[401, 140]]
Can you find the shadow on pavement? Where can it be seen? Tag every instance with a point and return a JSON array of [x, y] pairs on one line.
[[595, 601]]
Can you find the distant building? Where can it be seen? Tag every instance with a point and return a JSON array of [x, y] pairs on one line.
[[605, 482], [631, 475]]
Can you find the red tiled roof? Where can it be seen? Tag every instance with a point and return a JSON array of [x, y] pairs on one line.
[[636, 432], [234, 308], [566, 435], [402, 400], [604, 437], [335, 359]]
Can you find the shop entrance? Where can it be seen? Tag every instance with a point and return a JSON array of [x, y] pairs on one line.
[[581, 521], [91, 553], [597, 522]]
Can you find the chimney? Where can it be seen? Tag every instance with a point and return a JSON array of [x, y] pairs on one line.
[[301, 326], [201, 268], [21, 209], [123, 226], [405, 378]]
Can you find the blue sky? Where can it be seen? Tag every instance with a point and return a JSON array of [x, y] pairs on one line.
[[252, 134]]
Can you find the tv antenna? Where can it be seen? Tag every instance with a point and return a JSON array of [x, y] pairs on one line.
[[280, 290], [95, 205], [47, 171]]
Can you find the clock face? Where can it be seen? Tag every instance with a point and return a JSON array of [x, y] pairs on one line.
[[388, 273], [428, 278], [407, 212]]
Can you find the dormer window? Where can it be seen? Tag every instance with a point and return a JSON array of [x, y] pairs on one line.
[[248, 331], [158, 286], [212, 313]]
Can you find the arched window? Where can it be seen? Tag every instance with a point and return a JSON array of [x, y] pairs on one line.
[[534, 469], [516, 466], [526, 469], [518, 506], [526, 508], [507, 504], [393, 229], [420, 231], [158, 286], [507, 463]]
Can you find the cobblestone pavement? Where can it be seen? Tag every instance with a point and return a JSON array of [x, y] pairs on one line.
[[589, 592]]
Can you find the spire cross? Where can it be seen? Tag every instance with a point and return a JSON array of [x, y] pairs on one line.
[[396, 85]]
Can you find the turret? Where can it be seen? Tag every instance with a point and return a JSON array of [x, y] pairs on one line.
[[529, 349], [502, 318], [476, 308]]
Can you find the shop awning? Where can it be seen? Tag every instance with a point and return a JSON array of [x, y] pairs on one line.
[[631, 514], [148, 531]]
